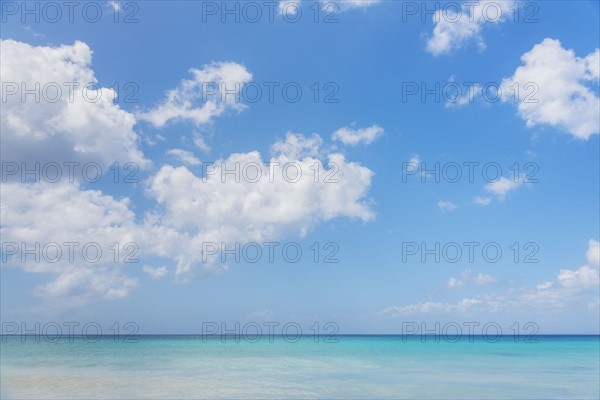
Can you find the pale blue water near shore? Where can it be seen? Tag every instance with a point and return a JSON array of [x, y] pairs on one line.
[[356, 367]]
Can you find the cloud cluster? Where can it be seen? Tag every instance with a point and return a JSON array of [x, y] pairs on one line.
[[302, 184], [54, 110], [572, 288], [214, 89], [563, 96], [191, 210], [355, 137], [455, 29]]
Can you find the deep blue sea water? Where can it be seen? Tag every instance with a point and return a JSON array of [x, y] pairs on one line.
[[356, 367]]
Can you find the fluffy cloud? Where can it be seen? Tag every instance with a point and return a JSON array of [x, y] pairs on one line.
[[268, 200], [555, 89], [31, 214], [571, 288], [354, 137], [503, 186], [455, 29], [289, 199], [499, 189], [74, 118], [296, 146], [213, 90], [79, 286]]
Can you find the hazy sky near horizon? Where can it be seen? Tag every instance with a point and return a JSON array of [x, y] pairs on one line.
[[365, 163]]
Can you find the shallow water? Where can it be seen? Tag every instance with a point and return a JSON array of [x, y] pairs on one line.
[[359, 367]]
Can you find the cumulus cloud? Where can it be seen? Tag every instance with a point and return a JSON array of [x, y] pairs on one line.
[[73, 120], [31, 214], [297, 146], [578, 287], [80, 286], [270, 199], [354, 137], [289, 199], [555, 89], [503, 186], [213, 89], [455, 29]]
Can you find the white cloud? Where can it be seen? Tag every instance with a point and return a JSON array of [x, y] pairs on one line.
[[415, 161], [445, 205], [297, 146], [201, 144], [484, 279], [155, 272], [585, 276], [191, 210], [216, 208], [354, 137], [501, 188], [572, 288], [114, 5], [185, 156], [482, 201], [461, 306], [289, 7], [467, 278], [555, 88], [79, 286], [344, 5], [31, 213], [213, 90], [454, 30], [454, 283], [65, 124]]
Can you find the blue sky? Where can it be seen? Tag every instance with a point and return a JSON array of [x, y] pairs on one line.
[[366, 61]]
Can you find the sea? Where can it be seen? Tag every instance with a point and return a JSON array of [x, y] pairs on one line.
[[276, 367]]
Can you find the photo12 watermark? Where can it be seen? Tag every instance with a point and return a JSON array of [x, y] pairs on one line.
[[456, 93], [69, 252], [68, 171], [464, 12], [54, 12], [54, 332], [253, 12], [270, 91], [54, 92], [452, 332], [253, 332], [469, 171], [471, 252], [254, 172], [270, 252]]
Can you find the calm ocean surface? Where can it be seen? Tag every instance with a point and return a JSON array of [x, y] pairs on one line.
[[356, 367]]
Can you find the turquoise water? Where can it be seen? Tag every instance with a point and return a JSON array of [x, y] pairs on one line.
[[356, 367]]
